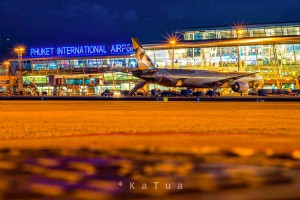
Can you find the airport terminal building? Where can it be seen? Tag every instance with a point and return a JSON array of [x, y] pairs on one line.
[[271, 49]]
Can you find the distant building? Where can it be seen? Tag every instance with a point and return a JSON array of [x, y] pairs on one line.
[[271, 49]]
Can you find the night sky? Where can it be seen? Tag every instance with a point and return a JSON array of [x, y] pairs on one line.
[[60, 22]]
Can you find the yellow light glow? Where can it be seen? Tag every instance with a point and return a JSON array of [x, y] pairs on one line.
[[172, 41], [6, 63], [239, 28], [20, 49]]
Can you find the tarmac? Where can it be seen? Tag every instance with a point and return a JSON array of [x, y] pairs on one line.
[[141, 98], [149, 149]]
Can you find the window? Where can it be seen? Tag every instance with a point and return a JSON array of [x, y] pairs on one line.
[[290, 30], [196, 52], [279, 31], [197, 36], [297, 30]]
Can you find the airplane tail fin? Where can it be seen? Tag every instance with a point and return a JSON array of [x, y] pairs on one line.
[[143, 59]]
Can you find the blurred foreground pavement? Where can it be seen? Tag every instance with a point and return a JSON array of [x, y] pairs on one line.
[[149, 150], [149, 173]]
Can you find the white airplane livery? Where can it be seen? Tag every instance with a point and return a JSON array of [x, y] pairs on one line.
[[239, 81]]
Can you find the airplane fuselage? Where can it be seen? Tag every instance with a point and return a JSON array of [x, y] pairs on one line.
[[196, 78], [238, 81]]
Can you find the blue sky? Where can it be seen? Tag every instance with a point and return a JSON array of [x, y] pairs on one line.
[[42, 22]]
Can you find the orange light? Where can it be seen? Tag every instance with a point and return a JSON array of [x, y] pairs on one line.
[[172, 41], [239, 28], [20, 49]]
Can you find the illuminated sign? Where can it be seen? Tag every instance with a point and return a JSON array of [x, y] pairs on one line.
[[85, 50]]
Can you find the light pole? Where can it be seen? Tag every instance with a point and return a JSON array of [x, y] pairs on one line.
[[173, 42], [7, 64], [239, 31], [20, 50]]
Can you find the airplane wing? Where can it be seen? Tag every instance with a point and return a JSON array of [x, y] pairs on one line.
[[227, 80]]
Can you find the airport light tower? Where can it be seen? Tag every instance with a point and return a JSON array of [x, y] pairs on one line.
[[7, 87], [173, 39], [6, 64], [20, 50], [239, 32], [173, 42]]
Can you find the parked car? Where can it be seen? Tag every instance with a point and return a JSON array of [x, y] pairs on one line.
[[141, 93], [281, 92], [124, 92], [155, 92], [253, 92], [212, 93], [297, 92], [291, 93], [170, 93], [107, 93], [17, 93], [198, 94], [186, 93]]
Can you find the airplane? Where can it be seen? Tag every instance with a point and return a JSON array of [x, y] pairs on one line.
[[239, 82]]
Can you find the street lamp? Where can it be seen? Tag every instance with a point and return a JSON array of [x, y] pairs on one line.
[[173, 42], [20, 50], [172, 39], [6, 64], [239, 32]]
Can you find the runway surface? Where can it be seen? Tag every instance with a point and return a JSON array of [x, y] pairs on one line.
[[277, 98], [84, 149]]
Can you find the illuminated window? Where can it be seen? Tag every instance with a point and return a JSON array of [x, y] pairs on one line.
[[197, 36], [297, 30], [290, 30]]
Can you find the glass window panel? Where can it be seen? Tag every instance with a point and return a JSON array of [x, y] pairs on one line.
[[262, 32], [196, 51], [256, 33], [269, 32], [290, 30], [297, 30], [65, 63], [197, 36]]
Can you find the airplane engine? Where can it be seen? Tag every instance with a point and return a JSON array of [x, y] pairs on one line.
[[240, 87]]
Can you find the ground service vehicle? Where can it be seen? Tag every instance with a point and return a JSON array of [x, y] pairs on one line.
[[107, 93], [212, 93], [155, 92], [170, 93], [186, 93], [198, 94], [141, 93]]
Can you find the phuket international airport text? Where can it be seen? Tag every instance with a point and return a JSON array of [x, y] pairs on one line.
[[82, 50]]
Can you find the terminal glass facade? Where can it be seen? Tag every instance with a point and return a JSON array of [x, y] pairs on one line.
[[76, 76], [278, 64], [270, 30]]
